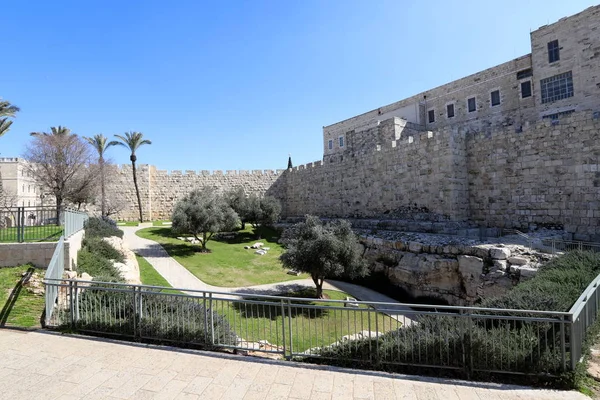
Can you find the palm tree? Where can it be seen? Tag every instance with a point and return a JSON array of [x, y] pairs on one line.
[[7, 110], [132, 141], [57, 131], [98, 142]]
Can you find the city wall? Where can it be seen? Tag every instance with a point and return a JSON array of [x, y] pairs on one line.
[[160, 190], [547, 174]]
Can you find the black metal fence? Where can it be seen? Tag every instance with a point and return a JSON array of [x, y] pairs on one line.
[[30, 224]]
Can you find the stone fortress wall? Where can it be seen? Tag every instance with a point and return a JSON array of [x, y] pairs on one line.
[[160, 190], [548, 174]]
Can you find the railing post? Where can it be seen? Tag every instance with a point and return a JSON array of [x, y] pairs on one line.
[[134, 313], [369, 327], [283, 328], [20, 227], [212, 325], [290, 327], [563, 344], [76, 303], [573, 344], [205, 317], [71, 305]]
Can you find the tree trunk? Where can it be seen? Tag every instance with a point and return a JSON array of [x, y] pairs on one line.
[[203, 241], [59, 201], [137, 190], [102, 188], [319, 285]]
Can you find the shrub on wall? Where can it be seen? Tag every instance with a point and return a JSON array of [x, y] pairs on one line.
[[97, 266], [103, 249], [101, 227]]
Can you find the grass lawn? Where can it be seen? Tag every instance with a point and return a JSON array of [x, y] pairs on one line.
[[161, 223], [128, 223], [310, 327], [41, 233], [149, 276], [228, 263], [20, 307]]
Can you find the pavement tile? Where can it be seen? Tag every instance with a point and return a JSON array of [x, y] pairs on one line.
[[197, 385], [41, 366]]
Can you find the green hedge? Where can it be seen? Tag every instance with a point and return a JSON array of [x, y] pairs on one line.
[[102, 248], [164, 318], [97, 266], [101, 227], [469, 344]]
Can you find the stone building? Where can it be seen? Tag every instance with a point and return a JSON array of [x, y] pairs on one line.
[[560, 75], [19, 186]]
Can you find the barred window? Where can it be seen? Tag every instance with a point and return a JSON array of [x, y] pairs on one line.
[[495, 97], [526, 73], [341, 141], [450, 110], [431, 116], [330, 144], [557, 87], [471, 104], [525, 89], [553, 51]]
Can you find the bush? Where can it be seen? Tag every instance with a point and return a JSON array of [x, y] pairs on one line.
[[470, 343], [101, 227], [97, 266], [102, 249], [163, 318]]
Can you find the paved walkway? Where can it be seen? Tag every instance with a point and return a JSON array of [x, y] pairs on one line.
[[36, 365], [179, 277]]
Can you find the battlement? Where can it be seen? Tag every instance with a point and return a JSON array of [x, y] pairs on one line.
[[204, 173]]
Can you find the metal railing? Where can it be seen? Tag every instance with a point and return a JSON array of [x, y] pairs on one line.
[[30, 224], [36, 224], [74, 221], [583, 314], [468, 339], [54, 272], [557, 246]]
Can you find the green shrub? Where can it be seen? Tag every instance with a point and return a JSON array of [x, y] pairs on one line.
[[468, 343], [101, 227], [163, 318], [97, 266], [102, 249]]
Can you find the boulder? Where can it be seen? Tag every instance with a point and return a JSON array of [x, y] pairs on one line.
[[86, 277], [526, 272], [517, 260], [260, 252], [71, 274], [257, 245], [415, 247], [470, 266], [499, 253], [500, 265]]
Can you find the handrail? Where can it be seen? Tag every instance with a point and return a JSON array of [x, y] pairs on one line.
[[278, 298]]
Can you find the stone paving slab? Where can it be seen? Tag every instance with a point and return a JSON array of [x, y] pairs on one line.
[[44, 365]]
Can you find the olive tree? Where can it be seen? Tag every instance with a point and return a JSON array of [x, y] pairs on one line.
[[323, 250], [202, 213], [262, 211]]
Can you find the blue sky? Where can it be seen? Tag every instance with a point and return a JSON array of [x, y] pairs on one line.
[[239, 85]]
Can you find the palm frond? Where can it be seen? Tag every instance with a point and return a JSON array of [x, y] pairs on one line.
[[4, 125]]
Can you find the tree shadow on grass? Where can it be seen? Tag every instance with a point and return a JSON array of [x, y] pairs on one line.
[[272, 308], [266, 235], [14, 296]]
